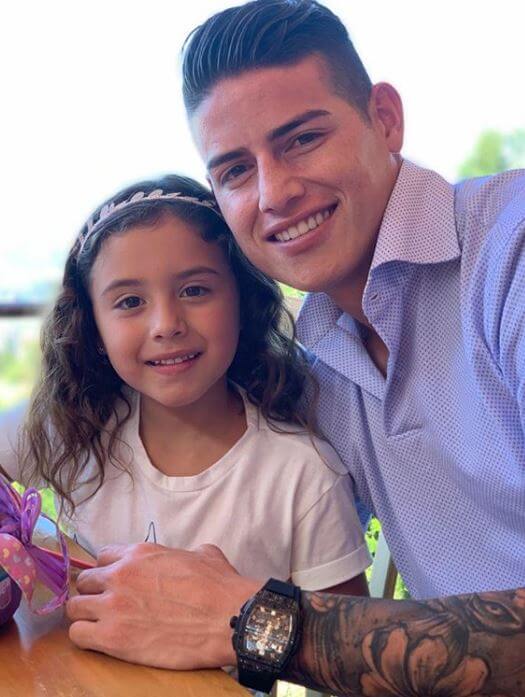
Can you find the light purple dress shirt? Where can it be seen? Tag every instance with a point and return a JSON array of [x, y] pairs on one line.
[[437, 449]]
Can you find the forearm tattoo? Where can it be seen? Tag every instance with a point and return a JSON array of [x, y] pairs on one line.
[[462, 646]]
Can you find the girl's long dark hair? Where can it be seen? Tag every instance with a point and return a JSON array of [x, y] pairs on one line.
[[79, 403]]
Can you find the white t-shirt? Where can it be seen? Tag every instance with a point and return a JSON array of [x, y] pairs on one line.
[[271, 504]]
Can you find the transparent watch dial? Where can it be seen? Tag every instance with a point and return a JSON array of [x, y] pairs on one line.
[[267, 633]]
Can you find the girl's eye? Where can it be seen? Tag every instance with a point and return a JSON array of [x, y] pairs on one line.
[[194, 292], [129, 303]]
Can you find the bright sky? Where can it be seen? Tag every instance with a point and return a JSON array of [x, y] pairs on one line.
[[91, 99]]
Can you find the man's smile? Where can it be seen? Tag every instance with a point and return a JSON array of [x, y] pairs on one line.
[[304, 225]]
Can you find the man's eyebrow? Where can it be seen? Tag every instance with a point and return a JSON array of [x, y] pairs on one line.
[[296, 122], [137, 282], [273, 135], [225, 157]]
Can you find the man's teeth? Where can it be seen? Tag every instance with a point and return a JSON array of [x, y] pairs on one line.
[[304, 226], [174, 361]]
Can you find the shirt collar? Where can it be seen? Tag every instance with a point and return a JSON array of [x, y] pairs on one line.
[[408, 233]]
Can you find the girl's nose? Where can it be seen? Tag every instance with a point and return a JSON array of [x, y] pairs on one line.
[[169, 322]]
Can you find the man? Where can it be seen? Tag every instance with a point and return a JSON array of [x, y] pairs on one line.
[[416, 322]]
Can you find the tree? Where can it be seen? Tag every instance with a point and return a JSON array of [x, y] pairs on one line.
[[495, 152]]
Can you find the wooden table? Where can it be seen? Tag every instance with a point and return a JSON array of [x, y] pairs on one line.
[[37, 659]]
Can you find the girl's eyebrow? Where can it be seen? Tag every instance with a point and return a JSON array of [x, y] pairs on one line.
[[136, 282], [195, 270], [120, 283]]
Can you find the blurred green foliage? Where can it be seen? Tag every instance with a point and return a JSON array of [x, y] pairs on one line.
[[495, 152], [19, 359], [290, 292]]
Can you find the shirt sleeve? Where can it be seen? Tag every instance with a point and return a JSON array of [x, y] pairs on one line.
[[513, 327], [10, 423], [329, 547], [504, 311]]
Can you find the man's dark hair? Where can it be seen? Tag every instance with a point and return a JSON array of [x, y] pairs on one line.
[[265, 33]]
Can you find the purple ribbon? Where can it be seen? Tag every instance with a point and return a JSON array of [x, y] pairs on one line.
[[26, 563]]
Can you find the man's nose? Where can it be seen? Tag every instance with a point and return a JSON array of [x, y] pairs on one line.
[[279, 186], [169, 320]]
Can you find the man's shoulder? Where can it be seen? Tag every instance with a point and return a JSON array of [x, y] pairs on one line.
[[489, 200]]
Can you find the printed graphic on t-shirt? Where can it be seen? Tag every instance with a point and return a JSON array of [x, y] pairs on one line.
[[152, 533]]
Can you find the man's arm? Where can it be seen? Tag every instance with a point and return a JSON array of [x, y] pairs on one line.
[[354, 586], [170, 608], [463, 645]]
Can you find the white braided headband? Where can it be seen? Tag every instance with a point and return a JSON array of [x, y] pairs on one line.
[[139, 197]]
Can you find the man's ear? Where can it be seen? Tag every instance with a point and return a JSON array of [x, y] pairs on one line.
[[386, 113]]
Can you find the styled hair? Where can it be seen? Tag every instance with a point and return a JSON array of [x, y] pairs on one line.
[[266, 33], [80, 403]]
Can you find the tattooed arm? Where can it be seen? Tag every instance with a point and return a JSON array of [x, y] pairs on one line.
[[469, 645], [171, 608]]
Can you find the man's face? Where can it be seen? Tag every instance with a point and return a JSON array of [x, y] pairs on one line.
[[300, 176]]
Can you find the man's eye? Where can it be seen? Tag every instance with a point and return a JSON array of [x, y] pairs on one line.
[[305, 138], [233, 173], [129, 303], [194, 292]]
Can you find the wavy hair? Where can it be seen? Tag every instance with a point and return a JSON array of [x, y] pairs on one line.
[[76, 407]]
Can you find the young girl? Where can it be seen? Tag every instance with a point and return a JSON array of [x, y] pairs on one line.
[[169, 405]]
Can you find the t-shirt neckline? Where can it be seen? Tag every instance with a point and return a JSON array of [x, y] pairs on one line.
[[194, 482]]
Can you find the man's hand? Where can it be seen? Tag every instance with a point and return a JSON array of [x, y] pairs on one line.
[[162, 607]]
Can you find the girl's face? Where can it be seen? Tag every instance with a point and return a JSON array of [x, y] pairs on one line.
[[166, 306]]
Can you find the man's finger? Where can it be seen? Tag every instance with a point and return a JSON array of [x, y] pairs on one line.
[[86, 635], [84, 607], [211, 551], [91, 581], [110, 554]]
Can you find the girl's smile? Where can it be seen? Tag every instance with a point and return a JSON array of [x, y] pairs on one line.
[[174, 363], [167, 309]]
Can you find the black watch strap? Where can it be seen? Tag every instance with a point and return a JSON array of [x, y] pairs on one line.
[[283, 588], [255, 679]]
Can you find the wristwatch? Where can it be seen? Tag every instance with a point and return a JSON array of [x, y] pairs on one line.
[[266, 634]]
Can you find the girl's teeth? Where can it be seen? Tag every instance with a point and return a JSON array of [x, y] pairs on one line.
[[174, 361]]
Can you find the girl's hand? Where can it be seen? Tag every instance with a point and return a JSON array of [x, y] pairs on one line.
[[161, 607]]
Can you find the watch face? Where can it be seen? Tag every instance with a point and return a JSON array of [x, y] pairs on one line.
[[268, 630]]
